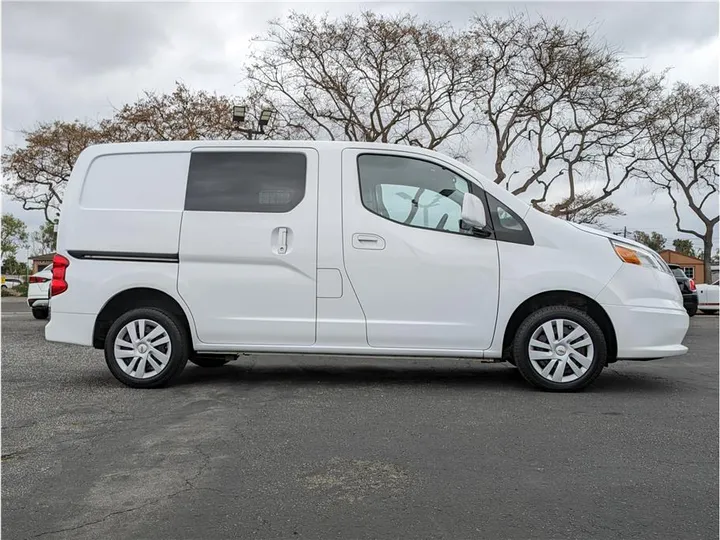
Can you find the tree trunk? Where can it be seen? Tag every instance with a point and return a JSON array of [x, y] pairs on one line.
[[707, 255]]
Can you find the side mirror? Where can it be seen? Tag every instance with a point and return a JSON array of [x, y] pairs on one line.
[[473, 212]]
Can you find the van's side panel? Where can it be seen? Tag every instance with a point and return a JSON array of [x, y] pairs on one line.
[[93, 283], [340, 320], [241, 285], [119, 209], [138, 198]]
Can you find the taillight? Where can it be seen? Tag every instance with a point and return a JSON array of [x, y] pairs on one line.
[[38, 279], [59, 285], [692, 284]]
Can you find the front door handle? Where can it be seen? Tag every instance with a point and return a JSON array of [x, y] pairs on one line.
[[368, 241]]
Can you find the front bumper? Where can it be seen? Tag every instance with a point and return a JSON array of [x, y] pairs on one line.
[[645, 333]]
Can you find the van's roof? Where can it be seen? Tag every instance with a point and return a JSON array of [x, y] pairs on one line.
[[185, 146]]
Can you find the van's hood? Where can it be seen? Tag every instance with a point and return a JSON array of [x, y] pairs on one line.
[[599, 232]]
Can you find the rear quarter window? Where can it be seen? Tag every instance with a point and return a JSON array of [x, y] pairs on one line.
[[139, 181], [271, 182]]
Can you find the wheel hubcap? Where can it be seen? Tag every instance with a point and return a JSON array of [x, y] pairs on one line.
[[561, 350], [142, 349]]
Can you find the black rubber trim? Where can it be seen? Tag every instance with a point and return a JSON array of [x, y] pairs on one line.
[[129, 256]]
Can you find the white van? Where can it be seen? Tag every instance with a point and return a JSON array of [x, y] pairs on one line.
[[201, 250]]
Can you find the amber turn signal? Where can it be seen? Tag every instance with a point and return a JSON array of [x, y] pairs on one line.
[[627, 255]]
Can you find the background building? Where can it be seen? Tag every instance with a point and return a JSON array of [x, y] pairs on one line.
[[693, 267]]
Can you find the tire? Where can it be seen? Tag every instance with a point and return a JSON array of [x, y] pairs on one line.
[[40, 313], [171, 346], [209, 361], [577, 373], [691, 311], [709, 311]]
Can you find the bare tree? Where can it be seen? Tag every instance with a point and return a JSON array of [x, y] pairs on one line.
[[183, 114], [585, 209], [38, 171], [682, 159], [366, 78], [560, 95]]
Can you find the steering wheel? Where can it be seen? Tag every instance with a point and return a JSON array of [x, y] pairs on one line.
[[442, 222]]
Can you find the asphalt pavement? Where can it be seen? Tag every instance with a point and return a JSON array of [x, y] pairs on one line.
[[309, 447]]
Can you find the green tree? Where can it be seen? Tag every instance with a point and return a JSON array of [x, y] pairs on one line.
[[684, 246], [654, 240], [14, 234], [714, 259], [43, 239], [13, 267]]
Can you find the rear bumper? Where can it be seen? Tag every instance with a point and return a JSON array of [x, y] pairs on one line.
[[645, 333], [75, 328], [38, 302]]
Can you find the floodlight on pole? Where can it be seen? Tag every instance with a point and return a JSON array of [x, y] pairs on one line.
[[265, 116], [239, 113]]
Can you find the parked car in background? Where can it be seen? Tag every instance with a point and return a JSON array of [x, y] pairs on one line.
[[687, 288], [10, 283], [341, 248], [708, 297], [39, 292]]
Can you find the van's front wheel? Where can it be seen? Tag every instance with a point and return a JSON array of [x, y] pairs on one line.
[[146, 348], [560, 348]]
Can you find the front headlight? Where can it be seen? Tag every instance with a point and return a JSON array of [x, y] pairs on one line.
[[634, 255]]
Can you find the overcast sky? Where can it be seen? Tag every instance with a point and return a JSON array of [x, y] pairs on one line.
[[77, 60]]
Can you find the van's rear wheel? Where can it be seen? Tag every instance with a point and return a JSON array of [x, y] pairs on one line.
[[146, 348], [560, 348]]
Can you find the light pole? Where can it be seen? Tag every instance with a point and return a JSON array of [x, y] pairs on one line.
[[56, 221], [239, 112]]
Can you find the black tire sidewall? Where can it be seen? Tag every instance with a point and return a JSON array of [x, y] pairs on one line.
[[208, 362], [178, 341], [40, 313], [535, 319]]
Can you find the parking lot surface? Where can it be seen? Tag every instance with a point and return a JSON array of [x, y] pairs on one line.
[[307, 447]]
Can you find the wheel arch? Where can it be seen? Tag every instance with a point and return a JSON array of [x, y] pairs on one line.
[[136, 297], [562, 298]]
